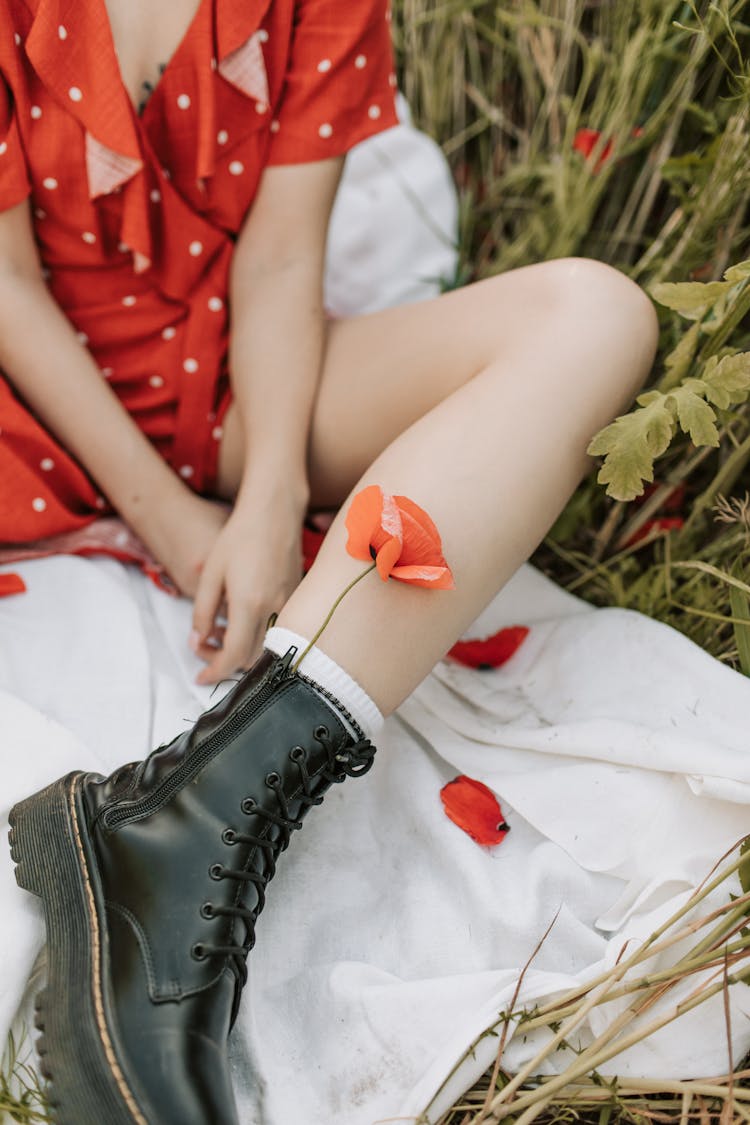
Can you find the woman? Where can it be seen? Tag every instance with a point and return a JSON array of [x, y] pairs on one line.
[[173, 168]]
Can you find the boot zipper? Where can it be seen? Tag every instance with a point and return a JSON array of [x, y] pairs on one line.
[[194, 763]]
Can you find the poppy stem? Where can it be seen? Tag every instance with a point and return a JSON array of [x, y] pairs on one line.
[[330, 614]]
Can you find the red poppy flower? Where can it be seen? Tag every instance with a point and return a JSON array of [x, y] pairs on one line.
[[673, 502], [399, 536], [651, 527], [475, 809], [11, 584], [491, 652], [586, 140]]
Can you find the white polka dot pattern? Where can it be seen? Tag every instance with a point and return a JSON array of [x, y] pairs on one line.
[[236, 168], [39, 504], [360, 62], [169, 333], [186, 471], [183, 101], [190, 365], [195, 249], [3, 148], [215, 304], [222, 136], [75, 94], [62, 32], [324, 66], [50, 183], [156, 381], [36, 112], [47, 464], [128, 301], [325, 130], [89, 237]]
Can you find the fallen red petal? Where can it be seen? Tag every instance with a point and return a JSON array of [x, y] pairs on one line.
[[490, 652], [475, 809], [11, 584]]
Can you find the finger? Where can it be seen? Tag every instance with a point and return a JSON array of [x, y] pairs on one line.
[[208, 599], [208, 648], [241, 644]]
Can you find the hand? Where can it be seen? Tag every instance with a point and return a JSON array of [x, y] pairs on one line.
[[182, 535], [254, 566]]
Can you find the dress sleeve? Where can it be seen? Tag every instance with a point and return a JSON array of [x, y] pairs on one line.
[[339, 87], [14, 179]]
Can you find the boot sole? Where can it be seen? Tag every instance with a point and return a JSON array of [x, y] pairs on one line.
[[77, 1052]]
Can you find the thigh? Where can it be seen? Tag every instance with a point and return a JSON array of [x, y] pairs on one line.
[[384, 371]]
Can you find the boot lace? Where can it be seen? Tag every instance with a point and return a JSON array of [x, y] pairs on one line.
[[353, 761]]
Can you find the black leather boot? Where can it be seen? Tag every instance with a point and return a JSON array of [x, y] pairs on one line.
[[152, 881]]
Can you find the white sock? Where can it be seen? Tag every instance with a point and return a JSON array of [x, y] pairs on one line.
[[350, 699]]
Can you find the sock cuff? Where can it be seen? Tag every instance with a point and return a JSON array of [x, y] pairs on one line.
[[330, 677]]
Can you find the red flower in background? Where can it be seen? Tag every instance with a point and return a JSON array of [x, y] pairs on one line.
[[475, 809], [399, 536], [490, 652], [651, 528], [586, 140], [11, 584]]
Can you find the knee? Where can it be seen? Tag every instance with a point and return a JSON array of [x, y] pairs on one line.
[[614, 312]]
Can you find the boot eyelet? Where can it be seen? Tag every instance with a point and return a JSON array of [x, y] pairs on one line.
[[216, 871], [322, 732], [297, 753], [198, 952], [249, 806], [207, 910], [272, 780], [229, 836]]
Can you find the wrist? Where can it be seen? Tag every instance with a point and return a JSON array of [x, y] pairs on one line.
[[272, 485]]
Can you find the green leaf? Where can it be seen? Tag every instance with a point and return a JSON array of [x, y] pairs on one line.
[[737, 273], [695, 416], [631, 444], [727, 380], [679, 361], [691, 299]]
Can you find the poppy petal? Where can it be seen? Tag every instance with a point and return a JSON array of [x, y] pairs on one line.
[[475, 809], [419, 515], [363, 520], [430, 577], [11, 584], [387, 556], [490, 652]]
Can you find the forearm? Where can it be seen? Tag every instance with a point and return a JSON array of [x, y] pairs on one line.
[[276, 355], [60, 381]]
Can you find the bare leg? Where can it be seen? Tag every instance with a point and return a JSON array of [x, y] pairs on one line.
[[479, 407]]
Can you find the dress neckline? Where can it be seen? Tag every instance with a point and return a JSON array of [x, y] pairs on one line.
[[139, 113]]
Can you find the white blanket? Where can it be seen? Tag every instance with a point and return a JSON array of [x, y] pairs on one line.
[[391, 940]]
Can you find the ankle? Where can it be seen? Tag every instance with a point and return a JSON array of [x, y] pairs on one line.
[[333, 682]]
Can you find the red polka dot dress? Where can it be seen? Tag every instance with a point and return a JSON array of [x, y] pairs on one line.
[[136, 216]]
